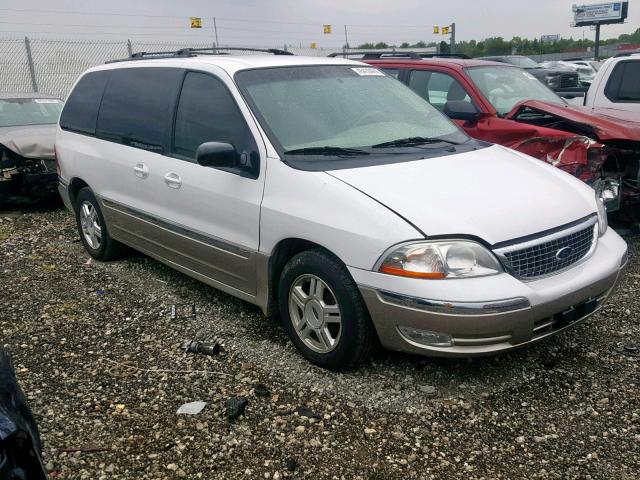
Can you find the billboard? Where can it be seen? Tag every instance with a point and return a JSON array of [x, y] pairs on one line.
[[549, 38], [599, 13]]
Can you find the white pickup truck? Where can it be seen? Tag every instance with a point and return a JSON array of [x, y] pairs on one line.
[[617, 84]]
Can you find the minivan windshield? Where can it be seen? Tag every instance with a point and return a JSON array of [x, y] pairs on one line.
[[29, 111], [504, 87], [343, 111]]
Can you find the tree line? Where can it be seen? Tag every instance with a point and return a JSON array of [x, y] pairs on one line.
[[517, 45]]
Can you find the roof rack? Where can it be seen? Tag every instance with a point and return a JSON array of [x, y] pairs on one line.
[[370, 55], [193, 52], [445, 55]]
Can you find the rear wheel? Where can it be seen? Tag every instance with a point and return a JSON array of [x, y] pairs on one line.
[[93, 229], [323, 312]]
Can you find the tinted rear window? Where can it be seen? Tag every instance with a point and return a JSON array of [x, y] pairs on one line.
[[137, 107], [81, 109]]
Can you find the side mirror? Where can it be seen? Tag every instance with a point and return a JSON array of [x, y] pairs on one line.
[[217, 154], [461, 110]]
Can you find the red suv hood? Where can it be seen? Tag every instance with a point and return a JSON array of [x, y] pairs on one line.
[[605, 123]]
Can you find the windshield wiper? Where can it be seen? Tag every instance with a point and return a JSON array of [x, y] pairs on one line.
[[327, 150], [413, 141]]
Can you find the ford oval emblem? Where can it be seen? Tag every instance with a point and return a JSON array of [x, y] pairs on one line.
[[564, 253]]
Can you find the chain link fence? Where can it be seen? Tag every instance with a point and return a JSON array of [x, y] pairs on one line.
[[52, 66], [14, 66]]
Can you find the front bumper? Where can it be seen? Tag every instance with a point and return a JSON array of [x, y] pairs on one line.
[[488, 315]]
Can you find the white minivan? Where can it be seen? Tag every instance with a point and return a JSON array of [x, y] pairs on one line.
[[328, 193]]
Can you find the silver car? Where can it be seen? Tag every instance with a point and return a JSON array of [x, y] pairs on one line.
[[27, 137]]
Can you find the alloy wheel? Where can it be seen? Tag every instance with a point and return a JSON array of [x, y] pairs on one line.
[[315, 313], [90, 224]]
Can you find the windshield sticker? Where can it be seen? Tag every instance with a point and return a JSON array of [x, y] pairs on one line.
[[366, 71], [46, 100]]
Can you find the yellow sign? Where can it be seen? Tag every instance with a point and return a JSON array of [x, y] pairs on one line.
[[436, 29], [196, 22], [326, 29], [314, 45], [446, 30]]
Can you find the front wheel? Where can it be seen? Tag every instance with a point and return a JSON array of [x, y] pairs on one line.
[[323, 312]]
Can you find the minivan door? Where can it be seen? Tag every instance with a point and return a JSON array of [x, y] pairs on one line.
[[133, 131], [207, 218]]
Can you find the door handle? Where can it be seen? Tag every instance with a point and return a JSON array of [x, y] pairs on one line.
[[173, 180], [141, 170]]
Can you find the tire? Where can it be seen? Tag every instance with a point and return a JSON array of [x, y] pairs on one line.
[[106, 248], [302, 301]]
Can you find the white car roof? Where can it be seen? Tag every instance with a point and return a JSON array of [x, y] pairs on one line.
[[230, 63]]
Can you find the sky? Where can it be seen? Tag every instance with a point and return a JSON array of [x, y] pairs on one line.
[[274, 23]]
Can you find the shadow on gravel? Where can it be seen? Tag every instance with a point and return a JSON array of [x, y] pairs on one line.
[[40, 206]]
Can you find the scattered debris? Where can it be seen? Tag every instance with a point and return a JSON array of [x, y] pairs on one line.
[[191, 408], [181, 310], [235, 407], [427, 389], [628, 348], [212, 347], [306, 412], [291, 464], [261, 390]]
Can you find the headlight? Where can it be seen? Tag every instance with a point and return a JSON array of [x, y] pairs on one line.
[[441, 259], [603, 223], [608, 190], [552, 79]]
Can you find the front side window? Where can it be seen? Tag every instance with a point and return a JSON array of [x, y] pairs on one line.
[[353, 108], [137, 107], [624, 82], [437, 88], [208, 113], [29, 111], [505, 87]]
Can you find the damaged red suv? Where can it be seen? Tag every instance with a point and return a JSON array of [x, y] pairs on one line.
[[503, 104]]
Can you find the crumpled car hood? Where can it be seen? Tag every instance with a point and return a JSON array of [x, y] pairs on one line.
[[605, 123], [493, 193], [31, 142]]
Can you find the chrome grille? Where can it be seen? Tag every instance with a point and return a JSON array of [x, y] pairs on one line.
[[568, 80], [550, 254]]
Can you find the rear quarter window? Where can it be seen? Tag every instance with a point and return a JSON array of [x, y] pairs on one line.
[[80, 112], [137, 107], [624, 82]]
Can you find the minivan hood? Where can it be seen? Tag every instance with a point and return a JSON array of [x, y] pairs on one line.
[[493, 193], [605, 123]]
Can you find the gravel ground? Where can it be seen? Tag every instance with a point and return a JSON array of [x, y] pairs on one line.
[[100, 359]]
